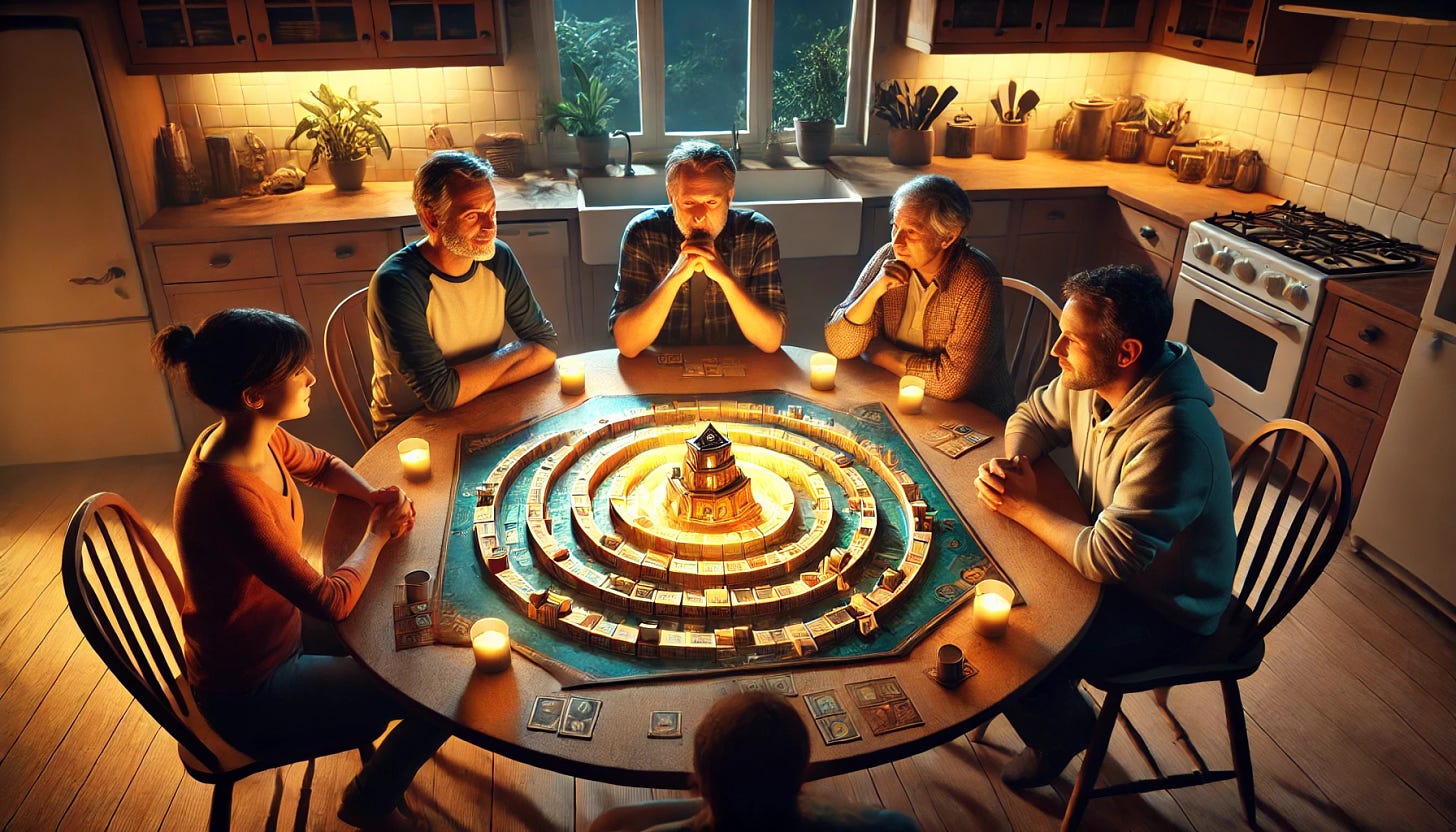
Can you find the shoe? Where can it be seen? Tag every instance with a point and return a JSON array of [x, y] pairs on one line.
[[1028, 770]]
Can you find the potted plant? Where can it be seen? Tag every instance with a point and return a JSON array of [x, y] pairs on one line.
[[1011, 131], [910, 116], [345, 130], [1165, 120], [812, 93], [585, 117]]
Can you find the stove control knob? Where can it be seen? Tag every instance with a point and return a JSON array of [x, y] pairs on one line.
[[1203, 250], [1244, 269], [1297, 293], [1223, 258], [1274, 282]]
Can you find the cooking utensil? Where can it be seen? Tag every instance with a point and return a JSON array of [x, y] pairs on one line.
[[1028, 102], [1011, 98], [996, 105]]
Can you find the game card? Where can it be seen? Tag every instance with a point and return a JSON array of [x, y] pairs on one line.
[[892, 716], [935, 436], [864, 694], [752, 684], [823, 703], [546, 713], [665, 725], [667, 358], [580, 719], [782, 684], [837, 728]]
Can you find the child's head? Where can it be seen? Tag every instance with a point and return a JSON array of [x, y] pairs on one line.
[[233, 351], [750, 753]]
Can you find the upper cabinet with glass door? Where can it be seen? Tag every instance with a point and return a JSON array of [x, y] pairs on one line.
[[172, 31], [416, 28], [284, 29], [945, 26], [1244, 35], [299, 34]]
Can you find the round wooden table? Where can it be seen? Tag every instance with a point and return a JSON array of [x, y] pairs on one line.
[[491, 710]]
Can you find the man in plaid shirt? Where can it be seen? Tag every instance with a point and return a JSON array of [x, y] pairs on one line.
[[697, 271]]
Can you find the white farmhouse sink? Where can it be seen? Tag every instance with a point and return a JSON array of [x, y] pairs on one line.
[[815, 213]]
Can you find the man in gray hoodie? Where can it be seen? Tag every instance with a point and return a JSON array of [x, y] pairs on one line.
[[1152, 473]]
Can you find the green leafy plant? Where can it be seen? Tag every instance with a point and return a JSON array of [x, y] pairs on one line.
[[606, 48], [586, 114], [343, 128], [911, 111], [1166, 119], [814, 88]]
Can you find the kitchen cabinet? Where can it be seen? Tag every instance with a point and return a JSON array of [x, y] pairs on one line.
[[1134, 237], [1051, 242], [949, 26], [544, 252], [1251, 36], [1358, 352], [250, 35]]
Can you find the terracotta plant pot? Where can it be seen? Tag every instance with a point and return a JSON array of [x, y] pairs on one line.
[[1010, 140], [911, 147], [347, 176], [814, 138]]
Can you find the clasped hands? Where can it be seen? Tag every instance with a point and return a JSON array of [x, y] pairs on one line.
[[1006, 484], [699, 254], [391, 512]]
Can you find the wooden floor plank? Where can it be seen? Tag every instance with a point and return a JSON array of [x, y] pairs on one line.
[[527, 799], [101, 792], [593, 798], [460, 794]]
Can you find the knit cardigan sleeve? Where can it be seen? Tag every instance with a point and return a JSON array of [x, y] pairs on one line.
[[844, 338]]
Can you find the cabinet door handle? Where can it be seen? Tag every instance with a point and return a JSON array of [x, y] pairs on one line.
[[344, 252], [1354, 380], [262, 37], [220, 261], [1056, 214], [384, 34], [1369, 334], [1198, 43], [1147, 232], [485, 33]]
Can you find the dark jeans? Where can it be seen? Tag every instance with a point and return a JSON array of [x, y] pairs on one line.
[[317, 703], [1053, 718]]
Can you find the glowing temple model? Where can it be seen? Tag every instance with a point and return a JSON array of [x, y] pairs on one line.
[[709, 488]]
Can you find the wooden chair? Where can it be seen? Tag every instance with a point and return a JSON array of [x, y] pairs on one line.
[[1291, 507], [125, 597], [350, 360], [1032, 321]]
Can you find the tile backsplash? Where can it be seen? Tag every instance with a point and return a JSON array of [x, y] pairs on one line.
[[1367, 136]]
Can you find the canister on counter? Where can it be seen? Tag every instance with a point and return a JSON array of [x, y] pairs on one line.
[[223, 166], [960, 136]]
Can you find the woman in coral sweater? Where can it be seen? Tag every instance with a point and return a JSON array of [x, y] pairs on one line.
[[267, 683]]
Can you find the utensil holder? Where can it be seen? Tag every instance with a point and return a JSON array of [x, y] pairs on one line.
[[1127, 142], [1010, 140], [1155, 149], [912, 148]]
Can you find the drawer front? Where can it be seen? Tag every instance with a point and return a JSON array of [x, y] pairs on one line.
[[1148, 231], [207, 262], [1040, 216], [1357, 380], [1355, 432], [348, 251], [1370, 334], [992, 216]]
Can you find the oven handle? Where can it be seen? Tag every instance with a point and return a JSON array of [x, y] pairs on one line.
[[1268, 319], [1254, 313]]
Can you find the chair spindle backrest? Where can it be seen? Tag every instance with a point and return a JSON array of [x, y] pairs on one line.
[[1032, 321], [350, 360], [126, 596], [1291, 492]]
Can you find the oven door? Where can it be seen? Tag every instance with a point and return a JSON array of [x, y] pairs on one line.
[[1250, 352]]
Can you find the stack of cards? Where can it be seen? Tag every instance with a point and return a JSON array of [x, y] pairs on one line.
[[576, 717], [413, 625], [665, 725], [834, 724], [710, 367], [884, 705], [954, 439], [782, 684]]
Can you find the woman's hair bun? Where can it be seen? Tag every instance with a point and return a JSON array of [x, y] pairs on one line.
[[173, 345]]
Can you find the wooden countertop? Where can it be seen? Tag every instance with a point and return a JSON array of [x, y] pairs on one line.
[[539, 195], [1149, 188], [552, 194], [1399, 297]]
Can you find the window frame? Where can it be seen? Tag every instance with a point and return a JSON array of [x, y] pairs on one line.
[[652, 141]]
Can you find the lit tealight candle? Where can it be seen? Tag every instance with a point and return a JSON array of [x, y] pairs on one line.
[[912, 393], [414, 458], [822, 366], [491, 640], [992, 608], [573, 375]]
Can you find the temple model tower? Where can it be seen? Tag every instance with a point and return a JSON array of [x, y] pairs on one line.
[[709, 489]]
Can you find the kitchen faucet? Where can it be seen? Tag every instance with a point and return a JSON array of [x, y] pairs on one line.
[[734, 151], [628, 170]]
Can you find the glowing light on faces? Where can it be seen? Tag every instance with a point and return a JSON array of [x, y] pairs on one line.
[[468, 227], [1082, 351], [699, 200], [913, 241]]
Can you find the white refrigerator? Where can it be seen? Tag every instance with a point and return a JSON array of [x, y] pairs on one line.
[[1406, 520]]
